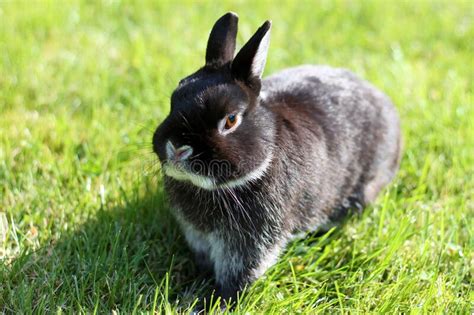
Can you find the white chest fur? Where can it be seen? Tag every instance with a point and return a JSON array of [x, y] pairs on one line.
[[215, 246]]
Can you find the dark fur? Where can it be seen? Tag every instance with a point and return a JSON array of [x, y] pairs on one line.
[[334, 140]]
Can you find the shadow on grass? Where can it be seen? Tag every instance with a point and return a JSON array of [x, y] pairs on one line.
[[127, 257]]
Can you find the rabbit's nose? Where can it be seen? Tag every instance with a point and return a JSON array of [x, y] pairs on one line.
[[178, 154]]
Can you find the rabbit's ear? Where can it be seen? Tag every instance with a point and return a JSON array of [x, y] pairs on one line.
[[250, 61], [221, 44]]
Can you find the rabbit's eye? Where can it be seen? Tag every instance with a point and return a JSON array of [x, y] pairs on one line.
[[230, 121]]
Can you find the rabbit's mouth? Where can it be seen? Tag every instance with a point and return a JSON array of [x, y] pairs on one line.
[[182, 172]]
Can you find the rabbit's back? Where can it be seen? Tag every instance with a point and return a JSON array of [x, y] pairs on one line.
[[344, 132]]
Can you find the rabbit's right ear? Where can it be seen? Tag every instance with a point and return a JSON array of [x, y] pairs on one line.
[[221, 44], [249, 62]]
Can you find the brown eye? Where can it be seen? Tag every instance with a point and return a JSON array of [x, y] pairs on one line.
[[230, 121]]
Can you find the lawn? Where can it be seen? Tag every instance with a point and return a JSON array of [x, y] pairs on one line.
[[84, 223]]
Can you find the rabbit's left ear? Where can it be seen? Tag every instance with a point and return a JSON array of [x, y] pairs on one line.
[[221, 44], [250, 61]]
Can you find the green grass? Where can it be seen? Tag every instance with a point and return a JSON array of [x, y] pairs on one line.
[[83, 85]]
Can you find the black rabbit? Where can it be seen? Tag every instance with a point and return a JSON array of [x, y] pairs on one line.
[[249, 163]]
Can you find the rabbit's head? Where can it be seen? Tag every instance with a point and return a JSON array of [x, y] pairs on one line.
[[217, 133]]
